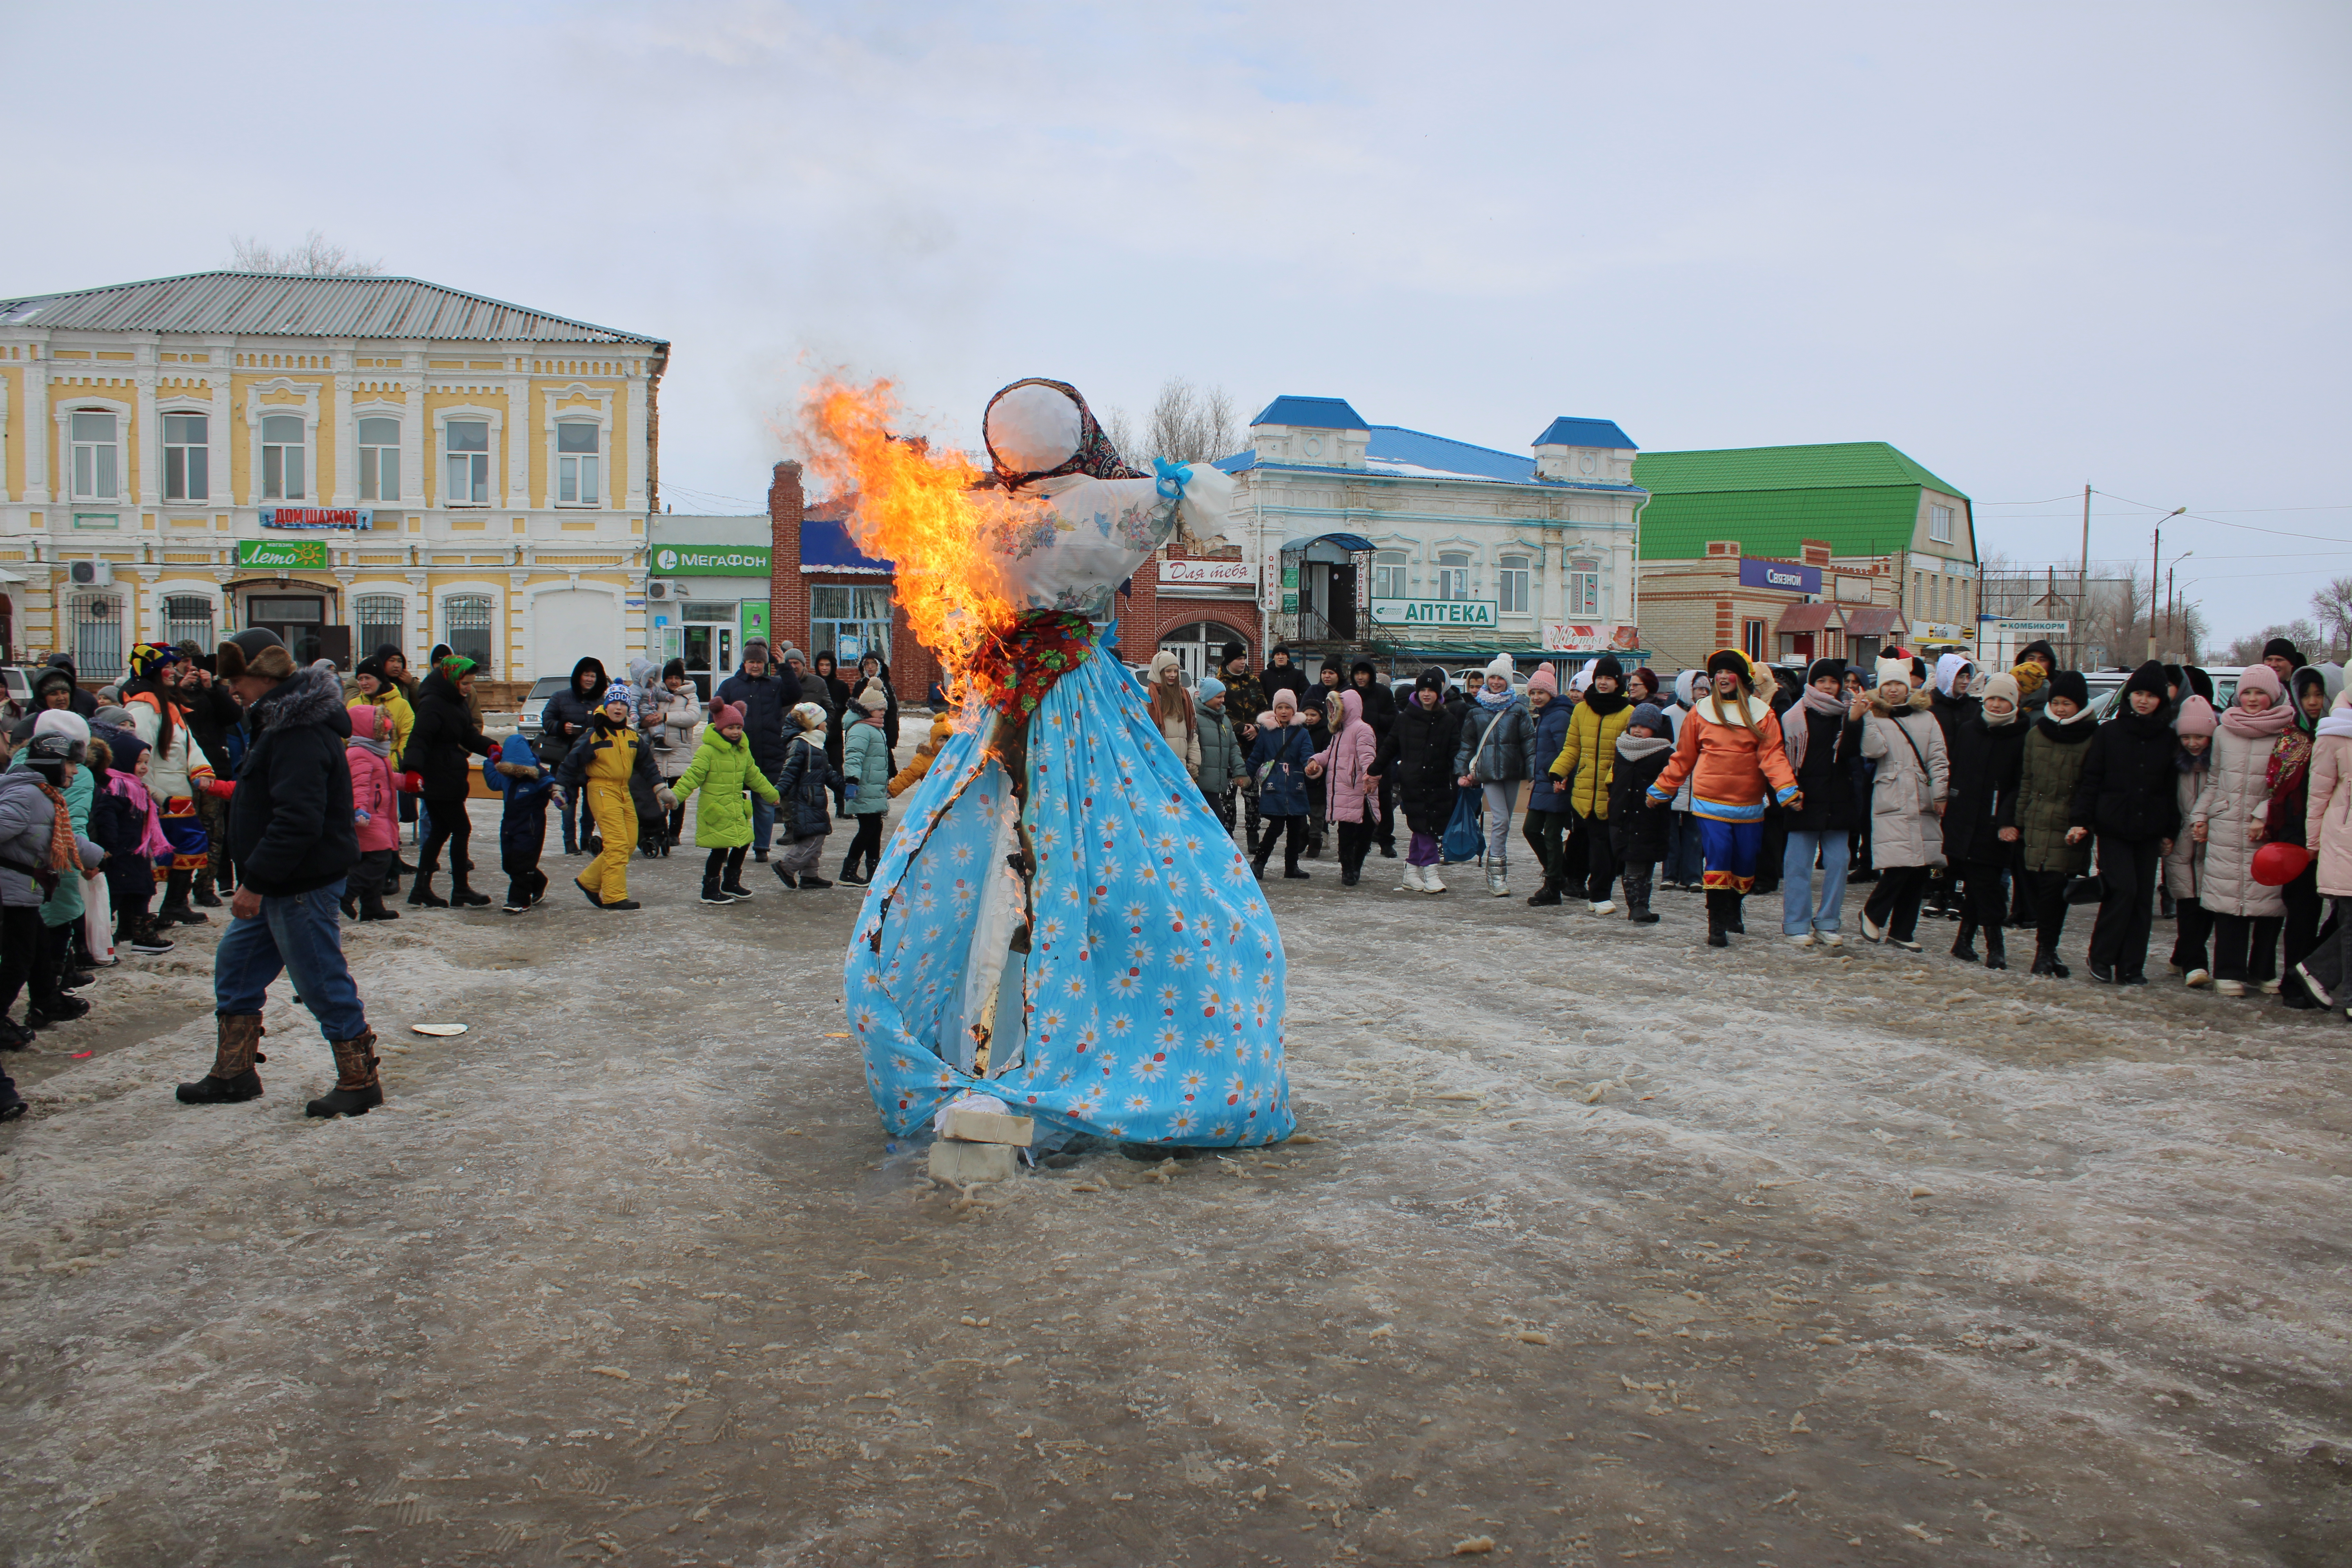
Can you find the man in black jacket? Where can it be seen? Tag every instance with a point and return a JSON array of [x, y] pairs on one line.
[[767, 698], [291, 835], [2129, 799], [563, 721]]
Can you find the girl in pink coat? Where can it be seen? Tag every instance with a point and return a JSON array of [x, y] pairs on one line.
[[1349, 768], [375, 814]]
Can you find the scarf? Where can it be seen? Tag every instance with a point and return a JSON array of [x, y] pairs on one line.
[[1793, 736], [2339, 722], [1495, 701], [2253, 726], [2290, 768], [1605, 703], [380, 748], [1634, 748], [65, 855]]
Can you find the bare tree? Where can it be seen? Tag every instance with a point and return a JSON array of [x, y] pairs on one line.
[[2248, 649], [1189, 424], [316, 256], [1121, 431], [2332, 607]]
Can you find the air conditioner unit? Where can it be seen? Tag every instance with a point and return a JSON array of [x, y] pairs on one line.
[[90, 573], [658, 589]]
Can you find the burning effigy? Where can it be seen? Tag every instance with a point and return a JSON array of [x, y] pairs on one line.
[[1059, 922]]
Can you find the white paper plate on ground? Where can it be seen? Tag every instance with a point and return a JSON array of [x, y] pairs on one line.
[[438, 1031]]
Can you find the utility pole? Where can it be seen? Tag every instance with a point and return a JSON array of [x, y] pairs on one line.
[[2155, 545]]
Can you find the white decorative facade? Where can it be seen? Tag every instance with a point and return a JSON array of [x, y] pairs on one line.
[[1417, 547]]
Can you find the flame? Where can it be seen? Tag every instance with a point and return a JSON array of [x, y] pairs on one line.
[[918, 508]]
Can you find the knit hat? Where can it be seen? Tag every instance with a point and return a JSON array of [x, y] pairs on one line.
[[1895, 667], [1232, 651], [2263, 678], [253, 651], [1732, 660], [873, 699], [2003, 686], [1825, 669], [620, 692], [112, 717], [675, 667], [1543, 680], [1649, 717], [722, 714], [2149, 678], [790, 654], [2279, 647], [2029, 676], [1581, 680], [2196, 718], [752, 646], [1285, 697], [1501, 665], [2070, 684], [1430, 679], [809, 714], [1210, 686], [147, 657]]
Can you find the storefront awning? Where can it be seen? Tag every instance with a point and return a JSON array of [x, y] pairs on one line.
[[1806, 619], [1874, 621]]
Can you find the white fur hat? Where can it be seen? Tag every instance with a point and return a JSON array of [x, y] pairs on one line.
[[1896, 669], [61, 721]]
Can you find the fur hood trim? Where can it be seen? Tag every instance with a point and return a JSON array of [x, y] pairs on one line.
[[1703, 709], [306, 697]]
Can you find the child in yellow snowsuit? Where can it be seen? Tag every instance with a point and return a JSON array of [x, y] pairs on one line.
[[599, 765]]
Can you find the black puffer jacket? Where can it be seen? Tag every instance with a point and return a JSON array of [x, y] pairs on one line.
[[2130, 788], [290, 822], [1985, 761], [1380, 702], [81, 701], [565, 717], [1831, 776], [1422, 746], [443, 739], [805, 782], [1637, 832], [767, 700]]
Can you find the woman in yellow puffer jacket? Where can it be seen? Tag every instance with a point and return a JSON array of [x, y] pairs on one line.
[[1587, 761]]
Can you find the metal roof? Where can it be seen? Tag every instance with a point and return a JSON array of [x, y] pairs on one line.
[[1566, 431], [298, 305], [1312, 413], [1836, 465]]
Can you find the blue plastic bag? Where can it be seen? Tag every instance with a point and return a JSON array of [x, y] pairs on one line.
[[1465, 835]]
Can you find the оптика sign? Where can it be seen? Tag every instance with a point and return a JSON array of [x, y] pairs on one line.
[[302, 555], [710, 560]]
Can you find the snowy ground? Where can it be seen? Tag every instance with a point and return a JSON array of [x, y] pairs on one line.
[[1597, 1245]]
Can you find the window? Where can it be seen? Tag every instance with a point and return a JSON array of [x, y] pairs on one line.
[[1514, 578], [848, 621], [1583, 593], [382, 619], [95, 456], [467, 444], [379, 459], [187, 459], [575, 463], [1388, 573], [1918, 593], [468, 621], [1453, 574], [1939, 524], [281, 457], [188, 617], [98, 634], [1752, 640]]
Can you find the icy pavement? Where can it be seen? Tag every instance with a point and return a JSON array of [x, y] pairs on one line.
[[1596, 1247]]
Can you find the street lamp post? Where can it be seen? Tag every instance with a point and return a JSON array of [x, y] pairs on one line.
[[2172, 601], [2154, 547]]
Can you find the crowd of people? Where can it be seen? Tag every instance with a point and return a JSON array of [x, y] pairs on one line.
[[1997, 799]]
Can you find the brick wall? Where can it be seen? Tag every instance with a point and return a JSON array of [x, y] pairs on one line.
[[912, 668], [1144, 615]]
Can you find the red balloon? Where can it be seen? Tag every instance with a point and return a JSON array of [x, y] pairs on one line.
[[2276, 864]]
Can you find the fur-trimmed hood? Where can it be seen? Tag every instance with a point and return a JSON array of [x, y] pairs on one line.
[[1922, 701], [1703, 706], [306, 697]]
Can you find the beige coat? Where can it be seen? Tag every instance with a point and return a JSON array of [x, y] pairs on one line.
[[2327, 819], [1180, 730], [2184, 864], [1904, 827], [2234, 798]]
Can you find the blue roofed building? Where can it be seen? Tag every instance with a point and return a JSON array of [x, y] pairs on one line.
[[1421, 548]]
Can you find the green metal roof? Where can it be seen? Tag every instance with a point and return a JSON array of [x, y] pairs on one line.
[[1839, 465], [1861, 497]]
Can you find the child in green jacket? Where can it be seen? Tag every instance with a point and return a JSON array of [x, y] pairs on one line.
[[721, 770]]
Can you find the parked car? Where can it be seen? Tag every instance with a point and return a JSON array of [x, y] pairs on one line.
[[545, 686], [2106, 688], [16, 690]]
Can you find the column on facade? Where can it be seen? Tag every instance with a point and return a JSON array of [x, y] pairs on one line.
[[38, 434], [412, 433], [147, 429], [634, 434], [216, 436], [522, 431], [347, 436]]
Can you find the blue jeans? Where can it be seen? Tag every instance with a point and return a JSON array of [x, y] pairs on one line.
[[302, 935], [1683, 847], [763, 823], [1798, 913]]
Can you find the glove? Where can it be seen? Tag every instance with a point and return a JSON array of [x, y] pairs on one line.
[[412, 784], [220, 788], [668, 800]]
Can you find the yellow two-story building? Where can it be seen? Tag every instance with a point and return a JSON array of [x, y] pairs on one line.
[[349, 461]]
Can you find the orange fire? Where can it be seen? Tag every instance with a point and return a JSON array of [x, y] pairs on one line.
[[915, 506]]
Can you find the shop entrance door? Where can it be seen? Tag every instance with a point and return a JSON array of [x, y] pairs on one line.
[[708, 649], [300, 622]]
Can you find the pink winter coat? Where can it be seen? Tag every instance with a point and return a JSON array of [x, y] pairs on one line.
[[2327, 819], [1348, 763], [372, 785]]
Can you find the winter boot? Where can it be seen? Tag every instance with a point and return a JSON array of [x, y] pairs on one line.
[[372, 907], [232, 1077], [145, 939], [1734, 903], [1964, 946], [710, 893], [421, 896], [731, 884], [1637, 902], [1430, 882], [1494, 882], [350, 905], [1996, 948], [1290, 868], [204, 897], [357, 1089], [463, 897], [1716, 936], [175, 910], [786, 877], [1546, 894], [811, 880], [2045, 961]]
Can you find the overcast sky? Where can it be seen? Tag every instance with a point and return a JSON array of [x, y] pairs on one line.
[[2032, 246]]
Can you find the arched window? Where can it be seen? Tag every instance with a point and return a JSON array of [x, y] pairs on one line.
[[381, 618], [1453, 574], [189, 617], [467, 622], [98, 637]]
